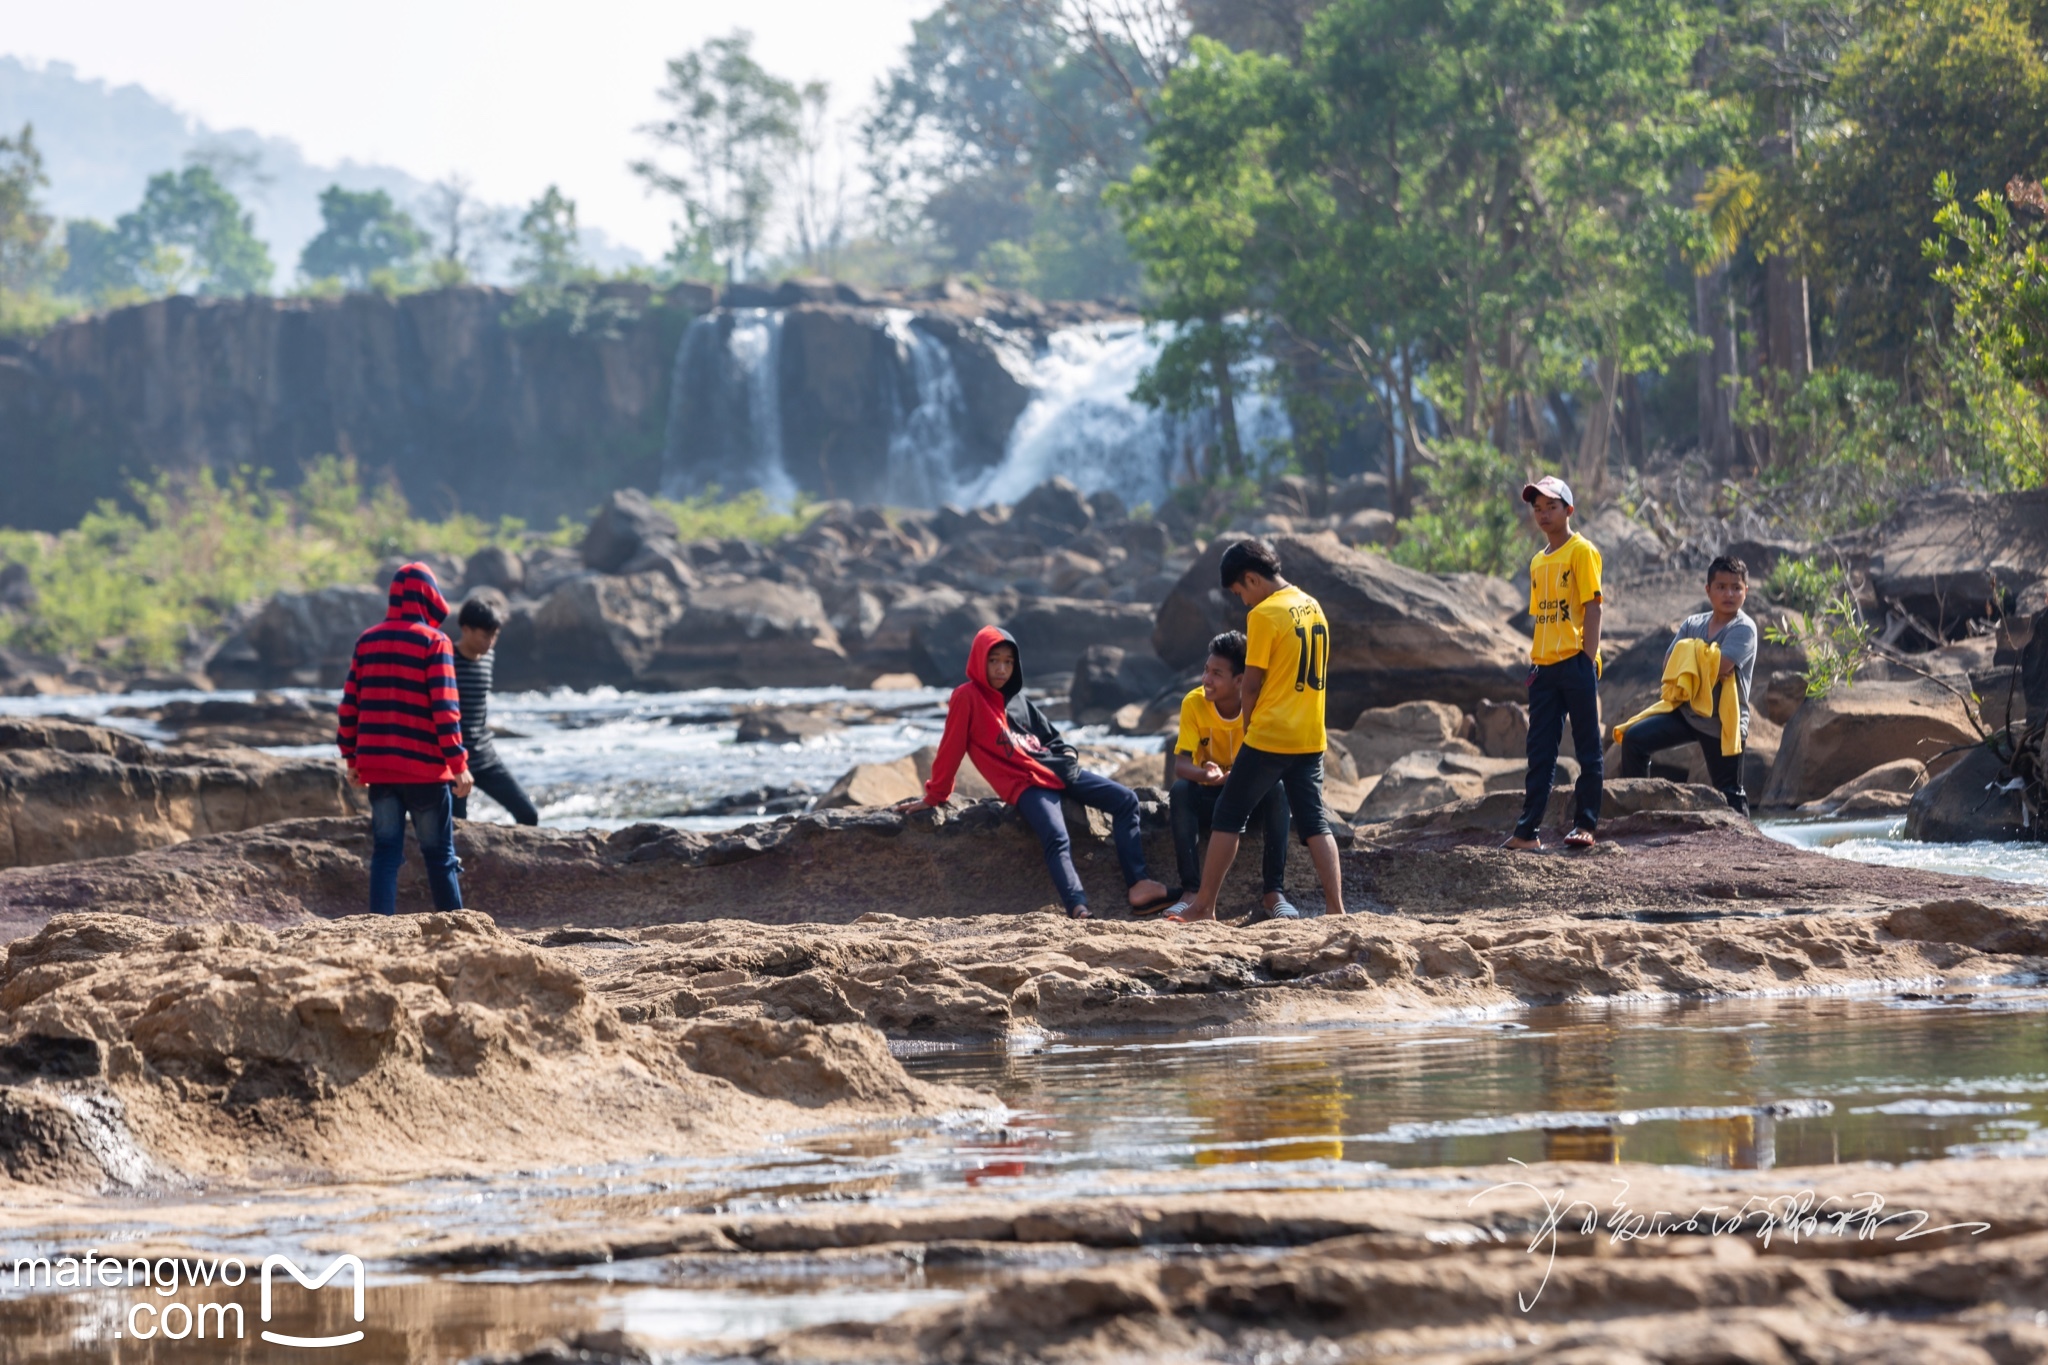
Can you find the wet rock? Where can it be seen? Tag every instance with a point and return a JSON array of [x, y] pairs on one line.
[[298, 639], [627, 524], [799, 1061], [785, 725], [269, 720], [1399, 635], [1970, 800], [70, 791], [1383, 734], [1108, 678], [1833, 739]]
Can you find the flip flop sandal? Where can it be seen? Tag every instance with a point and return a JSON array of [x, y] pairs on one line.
[[1174, 916], [1282, 909], [1509, 844], [1580, 838], [1151, 908], [1079, 912]]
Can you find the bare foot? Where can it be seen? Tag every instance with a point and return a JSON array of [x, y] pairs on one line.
[[1525, 845]]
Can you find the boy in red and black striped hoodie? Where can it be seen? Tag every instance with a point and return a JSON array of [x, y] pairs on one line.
[[401, 736]]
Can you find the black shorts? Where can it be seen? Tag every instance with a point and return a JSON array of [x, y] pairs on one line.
[[1254, 772]]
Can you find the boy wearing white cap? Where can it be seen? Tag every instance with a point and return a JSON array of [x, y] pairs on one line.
[[1564, 680]]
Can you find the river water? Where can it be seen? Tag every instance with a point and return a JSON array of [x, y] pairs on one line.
[[1723, 1085]]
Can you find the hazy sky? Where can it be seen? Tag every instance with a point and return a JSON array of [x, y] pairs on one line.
[[513, 93]]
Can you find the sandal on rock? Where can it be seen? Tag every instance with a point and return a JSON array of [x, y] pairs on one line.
[[1579, 838], [1151, 908], [1282, 909], [1078, 912], [1177, 915], [1509, 844]]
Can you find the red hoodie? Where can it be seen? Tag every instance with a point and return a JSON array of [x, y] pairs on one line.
[[978, 724], [401, 718]]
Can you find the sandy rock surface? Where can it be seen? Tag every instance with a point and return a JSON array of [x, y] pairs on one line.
[[71, 791]]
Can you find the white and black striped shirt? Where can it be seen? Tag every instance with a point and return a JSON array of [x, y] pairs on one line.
[[473, 687]]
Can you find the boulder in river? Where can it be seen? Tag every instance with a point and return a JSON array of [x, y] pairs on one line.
[[1835, 738], [594, 630], [1883, 790], [1398, 634], [740, 633], [1947, 556], [627, 524], [1972, 799], [1109, 678], [70, 791]]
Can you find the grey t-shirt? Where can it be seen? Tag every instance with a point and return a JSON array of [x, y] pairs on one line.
[[1738, 646]]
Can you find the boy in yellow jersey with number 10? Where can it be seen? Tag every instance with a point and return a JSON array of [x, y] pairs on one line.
[[1287, 668], [1564, 677]]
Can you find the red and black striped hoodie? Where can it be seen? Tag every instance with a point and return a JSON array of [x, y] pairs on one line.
[[401, 720]]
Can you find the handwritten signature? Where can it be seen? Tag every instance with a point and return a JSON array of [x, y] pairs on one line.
[[1799, 1216]]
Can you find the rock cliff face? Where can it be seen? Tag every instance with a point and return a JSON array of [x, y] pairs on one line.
[[463, 409]]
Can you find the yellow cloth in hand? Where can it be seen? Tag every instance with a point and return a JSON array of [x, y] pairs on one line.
[[1690, 672]]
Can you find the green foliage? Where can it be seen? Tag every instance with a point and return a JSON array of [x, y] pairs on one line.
[[736, 127], [1801, 585], [25, 261], [189, 233], [362, 233], [548, 240], [1468, 518], [747, 516], [133, 585], [1836, 639], [1998, 284]]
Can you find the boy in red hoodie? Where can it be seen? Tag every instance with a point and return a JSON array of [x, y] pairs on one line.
[[1023, 757], [401, 736]]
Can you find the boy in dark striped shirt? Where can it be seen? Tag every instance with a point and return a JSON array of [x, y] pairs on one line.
[[481, 620], [401, 735]]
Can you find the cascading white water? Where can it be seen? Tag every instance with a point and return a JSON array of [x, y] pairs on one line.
[[1083, 425], [924, 442], [726, 418], [725, 407]]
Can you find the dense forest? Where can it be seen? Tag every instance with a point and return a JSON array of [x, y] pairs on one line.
[[1790, 244]]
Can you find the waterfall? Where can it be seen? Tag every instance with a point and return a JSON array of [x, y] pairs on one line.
[[725, 407], [1082, 425], [924, 442], [873, 407]]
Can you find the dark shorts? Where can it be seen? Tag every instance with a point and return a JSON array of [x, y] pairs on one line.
[[1254, 773]]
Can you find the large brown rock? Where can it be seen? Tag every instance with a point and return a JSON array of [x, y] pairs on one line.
[[626, 525], [1946, 556], [1382, 734], [749, 634], [1832, 739], [1108, 678], [70, 791], [1397, 635], [1054, 632]]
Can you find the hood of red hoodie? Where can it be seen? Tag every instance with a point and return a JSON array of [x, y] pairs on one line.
[[986, 639], [416, 596]]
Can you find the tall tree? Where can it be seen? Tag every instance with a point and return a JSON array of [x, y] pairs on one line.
[[547, 237], [25, 228], [362, 232], [189, 232], [736, 128]]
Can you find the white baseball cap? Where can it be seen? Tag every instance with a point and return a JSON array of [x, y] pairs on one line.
[[1550, 486]]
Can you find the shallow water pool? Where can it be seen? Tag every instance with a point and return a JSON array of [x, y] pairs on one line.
[[1882, 841]]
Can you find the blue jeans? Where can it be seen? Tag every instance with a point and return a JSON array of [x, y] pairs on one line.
[[496, 781], [1040, 808], [433, 823], [1571, 688], [1194, 808]]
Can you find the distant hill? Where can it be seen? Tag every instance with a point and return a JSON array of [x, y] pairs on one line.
[[101, 144]]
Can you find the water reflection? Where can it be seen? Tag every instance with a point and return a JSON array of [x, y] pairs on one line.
[[1730, 1085]]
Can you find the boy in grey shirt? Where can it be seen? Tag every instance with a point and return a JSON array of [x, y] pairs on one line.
[[1731, 628]]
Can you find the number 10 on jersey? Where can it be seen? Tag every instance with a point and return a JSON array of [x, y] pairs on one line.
[[1312, 664]]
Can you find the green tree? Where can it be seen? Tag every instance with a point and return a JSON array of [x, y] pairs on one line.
[[738, 130], [362, 231], [189, 232], [547, 237], [96, 267], [25, 257]]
